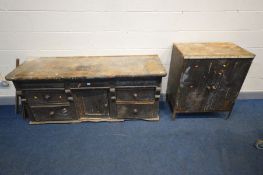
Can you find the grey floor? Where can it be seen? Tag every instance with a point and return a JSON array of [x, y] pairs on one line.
[[192, 144]]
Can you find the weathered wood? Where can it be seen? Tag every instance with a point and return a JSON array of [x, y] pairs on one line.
[[97, 92], [212, 50], [202, 82], [56, 68]]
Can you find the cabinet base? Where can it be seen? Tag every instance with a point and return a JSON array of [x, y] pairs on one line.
[[92, 120]]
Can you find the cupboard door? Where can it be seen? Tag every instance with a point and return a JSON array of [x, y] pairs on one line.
[[191, 93], [92, 102], [225, 81]]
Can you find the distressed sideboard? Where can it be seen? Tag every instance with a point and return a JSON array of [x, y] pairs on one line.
[[76, 89], [206, 77]]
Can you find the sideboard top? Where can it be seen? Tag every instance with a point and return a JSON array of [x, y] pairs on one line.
[[91, 67], [211, 50]]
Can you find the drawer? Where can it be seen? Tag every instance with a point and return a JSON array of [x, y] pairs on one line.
[[40, 97], [53, 113], [135, 94], [136, 111]]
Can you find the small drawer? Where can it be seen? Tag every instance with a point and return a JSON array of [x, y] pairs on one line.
[[136, 111], [135, 94], [53, 113], [39, 97]]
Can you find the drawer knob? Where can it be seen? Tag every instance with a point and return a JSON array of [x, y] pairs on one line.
[[64, 110], [220, 73], [191, 86], [196, 66], [224, 65], [51, 113], [208, 87], [47, 96], [35, 97], [70, 98], [106, 105], [135, 95], [135, 111]]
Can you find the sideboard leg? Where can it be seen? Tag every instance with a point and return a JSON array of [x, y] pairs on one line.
[[174, 115], [228, 115]]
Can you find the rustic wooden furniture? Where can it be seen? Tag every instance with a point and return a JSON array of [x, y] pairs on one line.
[[76, 89], [206, 77]]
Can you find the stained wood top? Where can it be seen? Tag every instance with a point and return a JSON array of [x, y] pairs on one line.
[[54, 68], [212, 50]]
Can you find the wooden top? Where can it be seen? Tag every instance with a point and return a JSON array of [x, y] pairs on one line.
[[212, 50], [54, 68]]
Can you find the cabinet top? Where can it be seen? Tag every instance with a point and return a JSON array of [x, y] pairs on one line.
[[212, 50], [91, 67]]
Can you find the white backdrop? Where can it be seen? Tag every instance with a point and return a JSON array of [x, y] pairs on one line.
[[112, 27]]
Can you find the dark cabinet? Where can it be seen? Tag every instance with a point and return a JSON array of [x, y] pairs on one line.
[[76, 89], [206, 77]]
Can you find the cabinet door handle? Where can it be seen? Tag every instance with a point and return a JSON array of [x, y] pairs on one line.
[[135, 95]]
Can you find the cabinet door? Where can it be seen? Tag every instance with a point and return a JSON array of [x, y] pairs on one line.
[[224, 83], [191, 93], [92, 102]]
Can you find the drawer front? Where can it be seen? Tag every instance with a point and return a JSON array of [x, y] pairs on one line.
[[141, 111], [40, 97], [135, 94], [54, 113]]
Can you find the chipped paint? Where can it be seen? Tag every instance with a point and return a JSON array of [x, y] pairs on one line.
[[184, 76], [53, 68]]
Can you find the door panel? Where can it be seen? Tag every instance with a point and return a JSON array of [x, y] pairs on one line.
[[192, 92], [224, 83], [210, 85], [92, 102]]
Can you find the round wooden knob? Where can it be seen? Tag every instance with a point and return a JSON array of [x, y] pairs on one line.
[[135, 111], [51, 113]]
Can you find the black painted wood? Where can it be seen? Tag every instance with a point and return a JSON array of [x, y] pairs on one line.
[[204, 85]]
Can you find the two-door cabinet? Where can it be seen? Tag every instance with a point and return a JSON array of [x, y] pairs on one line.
[[206, 77], [76, 89]]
